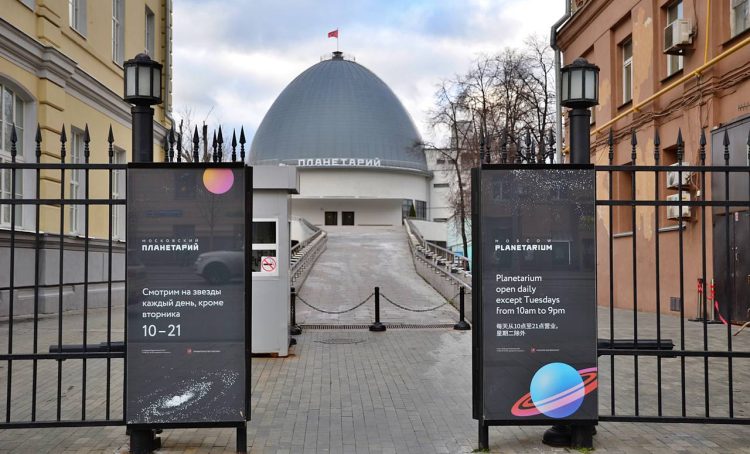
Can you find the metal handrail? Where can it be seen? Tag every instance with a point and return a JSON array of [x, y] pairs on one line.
[[446, 253], [307, 253], [427, 260]]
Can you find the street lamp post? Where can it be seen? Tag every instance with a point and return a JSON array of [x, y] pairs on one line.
[[143, 90], [580, 92]]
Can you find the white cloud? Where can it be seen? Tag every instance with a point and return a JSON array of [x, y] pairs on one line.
[[236, 56]]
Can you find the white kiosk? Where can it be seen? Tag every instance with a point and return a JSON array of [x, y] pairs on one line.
[[270, 257]]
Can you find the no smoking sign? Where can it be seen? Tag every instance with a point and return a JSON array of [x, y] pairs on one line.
[[268, 265]]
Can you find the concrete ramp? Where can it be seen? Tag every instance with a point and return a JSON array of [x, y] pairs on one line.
[[359, 259]]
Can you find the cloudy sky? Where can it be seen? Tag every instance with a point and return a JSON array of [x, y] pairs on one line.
[[233, 57]]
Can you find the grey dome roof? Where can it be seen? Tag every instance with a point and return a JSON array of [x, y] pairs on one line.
[[338, 109]]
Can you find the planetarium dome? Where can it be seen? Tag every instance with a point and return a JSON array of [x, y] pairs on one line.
[[338, 113]]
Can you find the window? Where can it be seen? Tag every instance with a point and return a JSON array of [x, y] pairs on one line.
[[740, 16], [118, 31], [77, 15], [264, 257], [674, 62], [440, 185], [76, 182], [627, 71], [441, 160], [150, 30], [421, 209], [623, 190], [118, 192], [11, 112]]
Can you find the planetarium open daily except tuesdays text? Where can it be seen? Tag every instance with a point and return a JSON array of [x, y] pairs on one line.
[[529, 291]]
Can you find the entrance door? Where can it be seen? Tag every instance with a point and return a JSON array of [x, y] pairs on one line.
[[332, 218], [347, 218], [736, 279], [741, 271]]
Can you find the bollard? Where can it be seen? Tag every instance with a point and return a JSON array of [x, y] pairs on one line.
[[377, 326], [462, 325], [294, 329]]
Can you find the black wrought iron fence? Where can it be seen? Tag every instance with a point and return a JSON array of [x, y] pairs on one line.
[[48, 381], [641, 264]]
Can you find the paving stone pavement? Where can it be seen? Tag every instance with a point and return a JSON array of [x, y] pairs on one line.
[[357, 260], [402, 391]]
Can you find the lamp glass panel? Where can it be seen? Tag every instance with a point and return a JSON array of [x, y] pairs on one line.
[[590, 84], [130, 81], [144, 81], [156, 83], [565, 81], [576, 84]]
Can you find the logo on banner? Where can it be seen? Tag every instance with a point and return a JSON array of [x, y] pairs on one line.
[[218, 181], [557, 390]]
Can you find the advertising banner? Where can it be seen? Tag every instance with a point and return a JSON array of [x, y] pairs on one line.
[[537, 295], [187, 294]]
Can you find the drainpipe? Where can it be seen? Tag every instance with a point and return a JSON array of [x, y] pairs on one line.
[[558, 82], [168, 7]]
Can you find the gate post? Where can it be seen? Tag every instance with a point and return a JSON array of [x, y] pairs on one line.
[[377, 326], [461, 325], [294, 329]]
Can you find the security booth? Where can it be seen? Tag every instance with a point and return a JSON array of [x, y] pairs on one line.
[[270, 258]]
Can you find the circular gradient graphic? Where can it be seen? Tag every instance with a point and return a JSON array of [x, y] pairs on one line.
[[218, 181], [557, 391]]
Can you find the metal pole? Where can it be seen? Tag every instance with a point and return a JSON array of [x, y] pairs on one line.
[[143, 440], [377, 326], [484, 436], [143, 133], [242, 438], [294, 329], [461, 325], [580, 127]]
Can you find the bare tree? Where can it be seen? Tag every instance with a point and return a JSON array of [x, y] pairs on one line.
[[502, 108]]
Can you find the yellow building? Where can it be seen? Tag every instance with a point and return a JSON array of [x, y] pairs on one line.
[[61, 63]]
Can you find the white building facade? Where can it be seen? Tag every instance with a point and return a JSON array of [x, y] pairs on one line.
[[360, 158]]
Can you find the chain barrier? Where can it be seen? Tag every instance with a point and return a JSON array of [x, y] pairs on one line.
[[333, 312], [410, 309]]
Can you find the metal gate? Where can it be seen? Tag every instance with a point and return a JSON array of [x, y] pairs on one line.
[[62, 351], [664, 247]]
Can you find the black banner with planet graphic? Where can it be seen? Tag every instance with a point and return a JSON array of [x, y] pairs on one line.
[[536, 296], [187, 294]]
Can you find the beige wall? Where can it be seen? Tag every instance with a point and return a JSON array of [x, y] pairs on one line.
[[595, 32], [66, 78], [366, 211]]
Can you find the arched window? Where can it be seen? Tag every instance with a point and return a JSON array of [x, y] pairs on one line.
[[12, 112]]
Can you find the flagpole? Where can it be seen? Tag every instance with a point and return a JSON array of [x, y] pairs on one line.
[[337, 39]]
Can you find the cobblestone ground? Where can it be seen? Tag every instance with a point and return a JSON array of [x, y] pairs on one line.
[[356, 261], [402, 391]]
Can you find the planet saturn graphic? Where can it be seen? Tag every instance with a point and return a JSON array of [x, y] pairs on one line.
[[218, 181], [557, 390]]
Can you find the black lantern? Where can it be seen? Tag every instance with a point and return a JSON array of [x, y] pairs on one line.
[[580, 85], [143, 81], [142, 90], [580, 92]]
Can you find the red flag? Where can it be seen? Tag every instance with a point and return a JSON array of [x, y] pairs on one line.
[[334, 34]]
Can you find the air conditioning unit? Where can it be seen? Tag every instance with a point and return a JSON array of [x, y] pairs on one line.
[[673, 178], [673, 212], [677, 36]]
